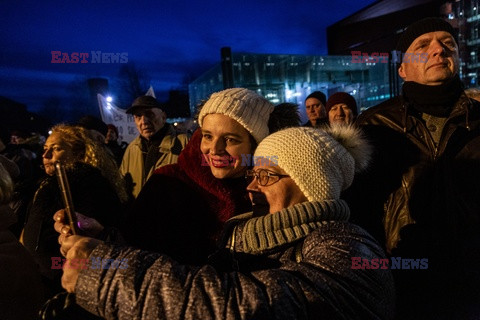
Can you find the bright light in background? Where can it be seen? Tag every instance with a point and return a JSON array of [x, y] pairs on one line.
[[109, 105], [288, 94]]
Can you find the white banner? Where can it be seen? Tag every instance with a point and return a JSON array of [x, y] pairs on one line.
[[150, 92], [111, 114]]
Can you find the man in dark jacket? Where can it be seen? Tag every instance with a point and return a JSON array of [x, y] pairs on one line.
[[425, 179], [291, 261]]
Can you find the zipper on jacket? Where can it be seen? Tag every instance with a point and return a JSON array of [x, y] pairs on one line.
[[231, 246]]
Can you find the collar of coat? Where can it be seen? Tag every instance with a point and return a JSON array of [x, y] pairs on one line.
[[259, 234], [169, 130], [464, 107]]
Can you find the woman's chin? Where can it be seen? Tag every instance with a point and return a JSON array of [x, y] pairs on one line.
[[227, 172], [50, 170], [220, 173]]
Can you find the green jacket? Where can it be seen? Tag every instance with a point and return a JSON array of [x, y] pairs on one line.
[[132, 166]]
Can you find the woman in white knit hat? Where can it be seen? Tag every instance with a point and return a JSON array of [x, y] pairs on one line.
[[294, 262], [182, 207]]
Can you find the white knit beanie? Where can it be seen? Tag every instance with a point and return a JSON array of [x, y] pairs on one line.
[[248, 108], [321, 162]]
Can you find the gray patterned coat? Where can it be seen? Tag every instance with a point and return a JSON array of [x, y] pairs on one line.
[[293, 264]]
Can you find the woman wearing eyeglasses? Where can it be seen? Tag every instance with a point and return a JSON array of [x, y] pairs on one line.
[[183, 207], [295, 262]]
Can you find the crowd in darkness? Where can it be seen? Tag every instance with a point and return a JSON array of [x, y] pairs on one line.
[[371, 215]]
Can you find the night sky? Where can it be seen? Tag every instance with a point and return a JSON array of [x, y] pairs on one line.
[[173, 41]]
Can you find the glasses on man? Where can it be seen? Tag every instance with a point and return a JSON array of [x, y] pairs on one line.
[[264, 176]]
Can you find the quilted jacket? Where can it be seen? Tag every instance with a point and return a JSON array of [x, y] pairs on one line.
[[292, 264]]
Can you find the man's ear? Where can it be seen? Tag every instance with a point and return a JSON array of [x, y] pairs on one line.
[[401, 72]]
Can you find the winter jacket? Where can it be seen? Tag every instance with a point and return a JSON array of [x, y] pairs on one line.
[[21, 292], [132, 166], [184, 203], [426, 197], [292, 264], [406, 156], [92, 196]]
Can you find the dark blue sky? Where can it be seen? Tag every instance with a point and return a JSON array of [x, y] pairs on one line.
[[169, 39]]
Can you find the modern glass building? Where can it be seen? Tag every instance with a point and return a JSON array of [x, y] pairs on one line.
[[290, 78], [467, 13]]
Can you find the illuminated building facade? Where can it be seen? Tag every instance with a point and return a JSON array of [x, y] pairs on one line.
[[468, 15], [290, 78], [377, 28]]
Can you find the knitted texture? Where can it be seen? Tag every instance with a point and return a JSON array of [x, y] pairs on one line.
[[318, 95], [290, 224], [342, 97], [248, 108], [423, 26], [322, 163]]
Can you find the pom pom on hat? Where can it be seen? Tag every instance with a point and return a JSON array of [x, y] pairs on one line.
[[246, 107], [321, 162]]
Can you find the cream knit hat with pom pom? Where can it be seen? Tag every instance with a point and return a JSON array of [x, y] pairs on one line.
[[248, 108], [321, 162]]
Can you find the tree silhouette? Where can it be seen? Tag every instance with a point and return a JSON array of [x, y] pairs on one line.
[[131, 83]]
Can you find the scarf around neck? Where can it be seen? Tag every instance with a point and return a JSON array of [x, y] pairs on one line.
[[288, 225], [437, 101], [226, 197]]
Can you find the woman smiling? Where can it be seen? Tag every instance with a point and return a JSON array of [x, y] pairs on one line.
[[183, 206]]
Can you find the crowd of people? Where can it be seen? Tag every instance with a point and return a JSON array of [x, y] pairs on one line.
[[371, 215]]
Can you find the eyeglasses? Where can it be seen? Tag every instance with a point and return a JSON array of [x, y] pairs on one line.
[[264, 176]]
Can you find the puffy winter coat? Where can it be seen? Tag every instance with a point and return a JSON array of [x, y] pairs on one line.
[[292, 264]]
